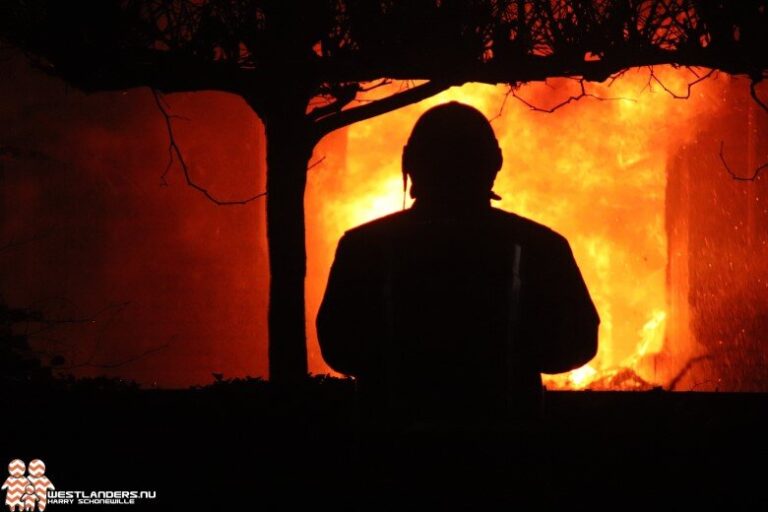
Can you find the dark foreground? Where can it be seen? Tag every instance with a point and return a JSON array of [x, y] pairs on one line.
[[236, 446]]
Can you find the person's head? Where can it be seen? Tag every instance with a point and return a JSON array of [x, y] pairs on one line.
[[452, 154]]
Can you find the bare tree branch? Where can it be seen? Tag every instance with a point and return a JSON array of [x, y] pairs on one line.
[[582, 94], [380, 83], [344, 96], [510, 91], [398, 100], [753, 92], [52, 323], [690, 85], [316, 162], [31, 316], [117, 364], [174, 152], [687, 368], [177, 46], [755, 172]]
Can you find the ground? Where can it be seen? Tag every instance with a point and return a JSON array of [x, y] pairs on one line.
[[238, 445]]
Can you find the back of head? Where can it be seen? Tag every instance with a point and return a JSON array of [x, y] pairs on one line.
[[452, 154]]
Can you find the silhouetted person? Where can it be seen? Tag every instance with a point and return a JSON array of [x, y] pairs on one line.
[[448, 312]]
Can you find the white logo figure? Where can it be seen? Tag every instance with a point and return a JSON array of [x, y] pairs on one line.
[[27, 491], [37, 478], [29, 498], [15, 484]]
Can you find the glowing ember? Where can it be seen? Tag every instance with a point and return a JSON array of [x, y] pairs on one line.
[[595, 171]]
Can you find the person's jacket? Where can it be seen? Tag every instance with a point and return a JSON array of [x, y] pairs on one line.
[[454, 315]]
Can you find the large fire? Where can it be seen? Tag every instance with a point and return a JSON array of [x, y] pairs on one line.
[[594, 170]]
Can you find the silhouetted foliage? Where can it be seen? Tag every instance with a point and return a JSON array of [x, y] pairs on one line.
[[19, 363], [23, 367]]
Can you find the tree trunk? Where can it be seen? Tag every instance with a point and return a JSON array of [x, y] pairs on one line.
[[288, 153]]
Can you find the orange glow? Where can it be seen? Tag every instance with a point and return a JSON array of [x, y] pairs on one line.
[[594, 170]]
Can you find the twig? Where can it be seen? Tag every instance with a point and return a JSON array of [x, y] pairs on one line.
[[690, 85], [756, 172], [316, 162], [510, 90], [753, 92], [582, 94], [379, 107], [89, 364], [736, 177], [615, 77], [685, 369], [49, 324], [380, 83], [175, 151], [52, 323]]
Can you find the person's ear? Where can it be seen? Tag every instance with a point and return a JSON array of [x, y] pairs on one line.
[[407, 160], [497, 160]]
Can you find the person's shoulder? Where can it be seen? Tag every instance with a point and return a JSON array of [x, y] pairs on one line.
[[528, 228], [378, 227]]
